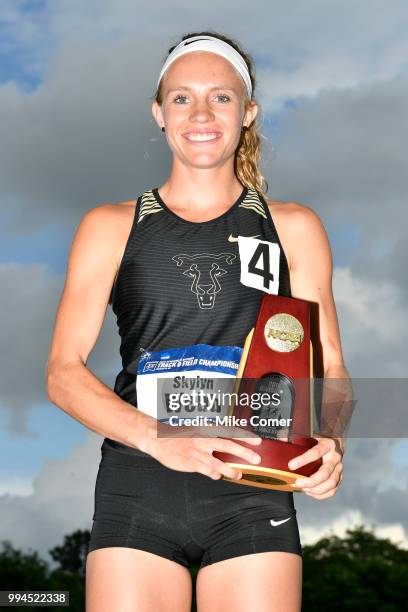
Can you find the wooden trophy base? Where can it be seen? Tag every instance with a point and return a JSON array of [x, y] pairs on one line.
[[266, 478], [273, 471]]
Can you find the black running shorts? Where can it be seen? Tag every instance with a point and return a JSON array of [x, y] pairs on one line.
[[186, 517]]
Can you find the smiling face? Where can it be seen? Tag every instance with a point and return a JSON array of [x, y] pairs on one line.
[[203, 108]]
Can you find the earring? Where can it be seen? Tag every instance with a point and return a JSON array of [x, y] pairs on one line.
[[244, 127], [163, 129]]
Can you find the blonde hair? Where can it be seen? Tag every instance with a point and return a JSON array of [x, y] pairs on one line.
[[248, 152]]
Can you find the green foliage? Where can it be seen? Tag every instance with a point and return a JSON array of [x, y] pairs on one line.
[[358, 572], [27, 572], [17, 569], [71, 556]]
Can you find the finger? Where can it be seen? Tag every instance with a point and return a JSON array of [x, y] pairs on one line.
[[225, 469], [254, 441], [324, 446], [330, 493], [215, 469], [323, 487], [203, 467], [234, 448], [323, 473]]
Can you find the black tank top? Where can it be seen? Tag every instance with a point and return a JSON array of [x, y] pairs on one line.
[[182, 282]]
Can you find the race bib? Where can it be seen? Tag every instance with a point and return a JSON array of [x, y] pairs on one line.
[[259, 264], [186, 381]]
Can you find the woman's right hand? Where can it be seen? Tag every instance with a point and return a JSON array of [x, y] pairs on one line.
[[190, 450]]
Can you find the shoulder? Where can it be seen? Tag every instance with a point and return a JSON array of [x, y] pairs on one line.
[[108, 225], [296, 215], [117, 213], [298, 227]]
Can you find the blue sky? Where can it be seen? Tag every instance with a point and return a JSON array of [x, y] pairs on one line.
[[26, 42], [49, 245], [54, 434], [22, 62]]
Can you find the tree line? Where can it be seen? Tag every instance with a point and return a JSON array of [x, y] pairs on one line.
[[357, 572]]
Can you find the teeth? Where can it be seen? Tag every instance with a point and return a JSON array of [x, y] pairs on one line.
[[210, 136]]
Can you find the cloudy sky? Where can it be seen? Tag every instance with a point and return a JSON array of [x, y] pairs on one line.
[[76, 81]]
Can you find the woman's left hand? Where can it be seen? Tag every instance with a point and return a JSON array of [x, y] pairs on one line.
[[325, 481]]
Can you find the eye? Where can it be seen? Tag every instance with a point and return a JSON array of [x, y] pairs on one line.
[[221, 95], [178, 97], [218, 95]]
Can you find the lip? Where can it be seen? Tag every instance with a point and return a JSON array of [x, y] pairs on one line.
[[202, 131], [203, 142]]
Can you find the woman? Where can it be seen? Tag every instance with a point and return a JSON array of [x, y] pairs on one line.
[[169, 264]]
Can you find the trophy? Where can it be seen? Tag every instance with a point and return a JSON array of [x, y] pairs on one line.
[[277, 361]]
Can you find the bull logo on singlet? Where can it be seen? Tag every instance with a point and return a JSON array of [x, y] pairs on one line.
[[204, 270]]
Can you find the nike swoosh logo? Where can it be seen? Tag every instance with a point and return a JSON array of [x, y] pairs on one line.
[[191, 41], [232, 238], [275, 523]]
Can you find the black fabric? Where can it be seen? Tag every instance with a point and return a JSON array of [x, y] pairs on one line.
[[152, 298], [185, 516], [140, 503]]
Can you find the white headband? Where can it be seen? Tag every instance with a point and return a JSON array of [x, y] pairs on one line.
[[214, 45]]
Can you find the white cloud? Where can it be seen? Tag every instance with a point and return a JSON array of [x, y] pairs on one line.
[[30, 295], [350, 520], [86, 135], [372, 319], [363, 497], [12, 484], [61, 501]]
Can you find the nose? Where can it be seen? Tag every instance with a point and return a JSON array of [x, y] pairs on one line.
[[201, 111]]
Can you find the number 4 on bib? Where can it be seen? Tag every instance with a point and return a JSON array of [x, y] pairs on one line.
[[259, 264]]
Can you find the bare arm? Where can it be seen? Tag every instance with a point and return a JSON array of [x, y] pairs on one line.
[[311, 279], [92, 265], [311, 269]]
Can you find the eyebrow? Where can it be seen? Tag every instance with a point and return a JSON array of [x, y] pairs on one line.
[[184, 88]]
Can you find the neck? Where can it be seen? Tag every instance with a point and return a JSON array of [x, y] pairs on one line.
[[201, 189]]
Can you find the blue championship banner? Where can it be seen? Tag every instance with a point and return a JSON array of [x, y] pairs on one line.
[[189, 377]]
